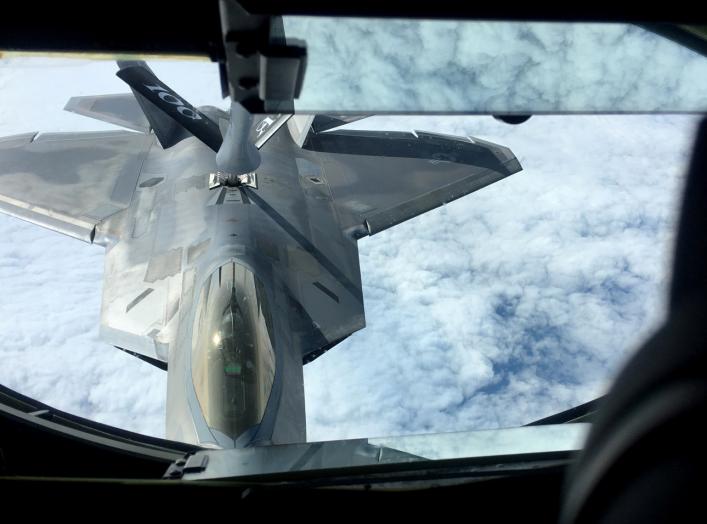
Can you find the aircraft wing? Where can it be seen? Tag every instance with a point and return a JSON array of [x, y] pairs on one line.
[[141, 297], [69, 182], [379, 179], [356, 183]]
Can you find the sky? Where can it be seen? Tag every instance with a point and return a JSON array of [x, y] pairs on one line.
[[508, 305]]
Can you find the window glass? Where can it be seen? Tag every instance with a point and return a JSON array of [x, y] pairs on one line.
[[508, 305], [380, 65]]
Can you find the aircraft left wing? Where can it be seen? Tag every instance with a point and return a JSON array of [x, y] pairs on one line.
[[355, 183], [379, 179], [70, 182]]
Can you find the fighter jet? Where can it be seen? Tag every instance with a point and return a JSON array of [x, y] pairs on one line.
[[231, 240]]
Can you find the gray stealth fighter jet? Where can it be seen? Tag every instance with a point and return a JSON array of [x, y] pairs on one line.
[[231, 254]]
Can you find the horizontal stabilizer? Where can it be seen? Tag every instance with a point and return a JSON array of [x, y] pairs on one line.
[[122, 110], [326, 122], [301, 126]]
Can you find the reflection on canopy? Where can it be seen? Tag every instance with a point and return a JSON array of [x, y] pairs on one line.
[[233, 362]]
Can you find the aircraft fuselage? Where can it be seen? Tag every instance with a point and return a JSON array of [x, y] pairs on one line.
[[232, 334]]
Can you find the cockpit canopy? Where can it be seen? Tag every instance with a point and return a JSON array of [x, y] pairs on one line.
[[233, 361]]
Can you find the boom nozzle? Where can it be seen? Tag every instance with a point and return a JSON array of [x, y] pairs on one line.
[[237, 154]]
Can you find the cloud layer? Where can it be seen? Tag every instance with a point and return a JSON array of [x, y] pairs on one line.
[[444, 65], [507, 305], [517, 301]]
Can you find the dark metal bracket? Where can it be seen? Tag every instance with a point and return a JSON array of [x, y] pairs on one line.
[[190, 463], [263, 71]]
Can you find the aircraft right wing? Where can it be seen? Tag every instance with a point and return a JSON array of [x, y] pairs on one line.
[[70, 182], [379, 179]]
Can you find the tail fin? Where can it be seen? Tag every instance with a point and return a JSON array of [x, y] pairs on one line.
[[171, 117]]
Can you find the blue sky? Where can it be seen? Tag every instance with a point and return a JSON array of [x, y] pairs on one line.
[[505, 306]]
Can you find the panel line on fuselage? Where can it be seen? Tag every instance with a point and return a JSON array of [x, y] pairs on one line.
[[306, 245]]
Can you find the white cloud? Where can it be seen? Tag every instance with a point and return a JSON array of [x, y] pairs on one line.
[[520, 300], [444, 65], [505, 306]]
